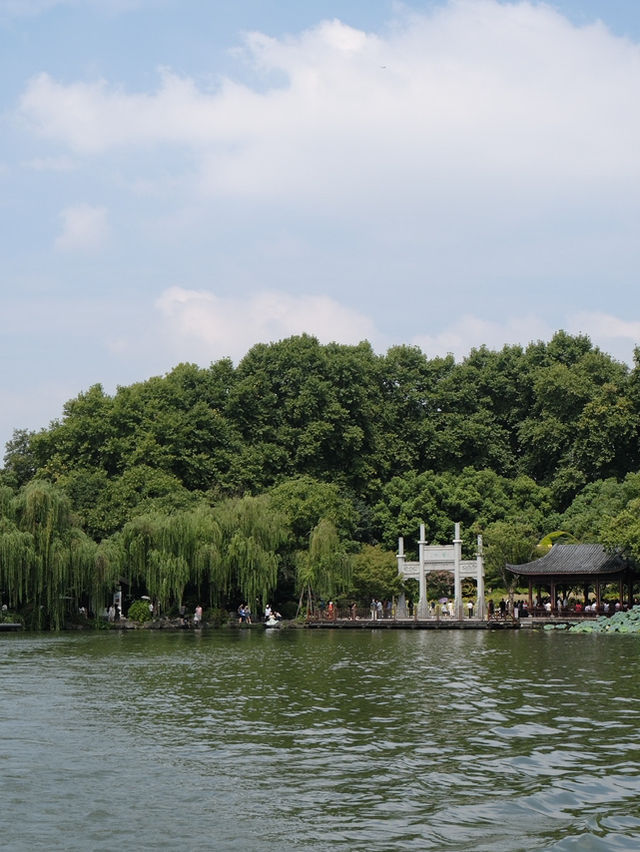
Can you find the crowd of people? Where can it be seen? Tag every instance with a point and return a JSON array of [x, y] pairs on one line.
[[444, 607]]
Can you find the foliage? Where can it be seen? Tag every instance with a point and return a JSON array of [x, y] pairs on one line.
[[623, 531], [375, 574], [555, 537], [267, 477], [507, 543], [324, 570], [620, 622], [45, 560], [139, 611]]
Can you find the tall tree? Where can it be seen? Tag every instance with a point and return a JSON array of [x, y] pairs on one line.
[[324, 570]]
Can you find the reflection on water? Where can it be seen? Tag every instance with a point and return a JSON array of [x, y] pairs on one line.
[[356, 740]]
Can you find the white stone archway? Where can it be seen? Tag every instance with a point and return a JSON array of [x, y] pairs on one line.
[[448, 557]]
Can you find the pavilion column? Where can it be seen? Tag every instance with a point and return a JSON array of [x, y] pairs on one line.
[[554, 608], [457, 580], [598, 598], [530, 594], [620, 589], [423, 608]]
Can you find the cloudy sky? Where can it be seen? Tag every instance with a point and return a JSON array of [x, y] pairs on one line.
[[180, 179]]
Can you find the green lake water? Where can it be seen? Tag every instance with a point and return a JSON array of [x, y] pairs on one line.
[[376, 740]]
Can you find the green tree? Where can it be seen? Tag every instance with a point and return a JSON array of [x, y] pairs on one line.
[[622, 532], [20, 462], [508, 543], [375, 574], [606, 442], [47, 563], [253, 533], [324, 569]]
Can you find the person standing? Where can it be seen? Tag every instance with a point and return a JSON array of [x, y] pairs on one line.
[[197, 616]]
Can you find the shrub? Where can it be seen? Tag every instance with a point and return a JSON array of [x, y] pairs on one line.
[[139, 611]]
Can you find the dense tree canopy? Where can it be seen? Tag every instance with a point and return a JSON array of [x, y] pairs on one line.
[[256, 479]]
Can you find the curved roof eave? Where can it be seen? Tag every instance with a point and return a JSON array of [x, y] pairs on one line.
[[573, 560]]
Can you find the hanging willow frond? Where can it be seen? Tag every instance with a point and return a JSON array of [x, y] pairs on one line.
[[325, 567], [252, 532]]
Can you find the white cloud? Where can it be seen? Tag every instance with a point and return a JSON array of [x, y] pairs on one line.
[[484, 154], [207, 327], [477, 97], [612, 334], [468, 332], [84, 229]]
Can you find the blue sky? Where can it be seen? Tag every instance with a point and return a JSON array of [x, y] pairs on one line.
[[181, 180]]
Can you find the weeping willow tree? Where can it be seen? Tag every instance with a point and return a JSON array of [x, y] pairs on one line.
[[17, 556], [193, 539], [252, 534], [166, 552], [324, 570], [231, 549], [7, 502], [47, 563], [109, 567]]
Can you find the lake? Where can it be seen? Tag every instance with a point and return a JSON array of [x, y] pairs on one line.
[[376, 740]]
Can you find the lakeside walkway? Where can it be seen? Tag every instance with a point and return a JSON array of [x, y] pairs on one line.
[[412, 624]]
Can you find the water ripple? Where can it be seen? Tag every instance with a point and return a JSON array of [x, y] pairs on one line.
[[360, 740]]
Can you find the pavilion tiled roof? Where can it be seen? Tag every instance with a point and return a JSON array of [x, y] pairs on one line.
[[578, 559]]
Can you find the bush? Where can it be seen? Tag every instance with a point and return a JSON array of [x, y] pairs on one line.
[[216, 616], [139, 611], [288, 609]]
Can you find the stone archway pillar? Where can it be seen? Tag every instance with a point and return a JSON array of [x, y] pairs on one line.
[[423, 606], [480, 602], [401, 606], [457, 580]]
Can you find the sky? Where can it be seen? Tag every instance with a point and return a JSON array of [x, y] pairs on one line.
[[182, 179]]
